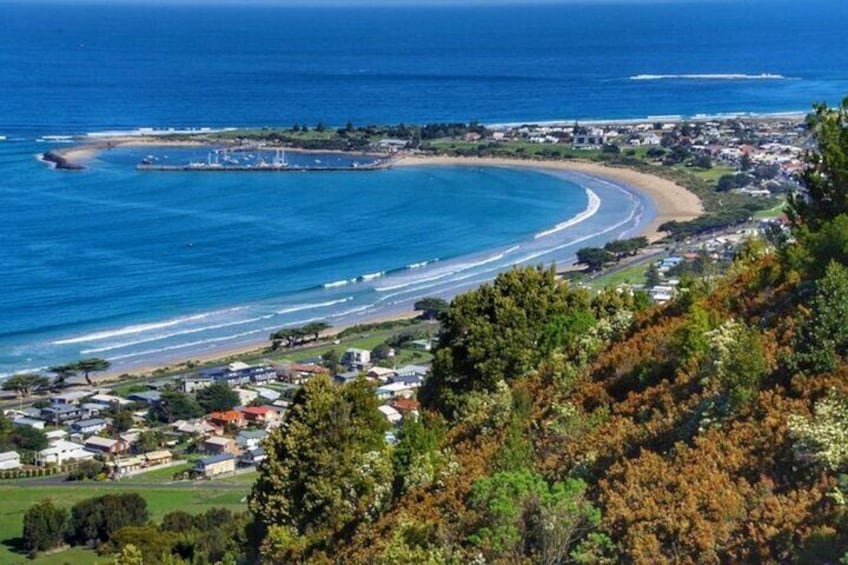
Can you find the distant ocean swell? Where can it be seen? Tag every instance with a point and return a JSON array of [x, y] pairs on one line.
[[712, 76]]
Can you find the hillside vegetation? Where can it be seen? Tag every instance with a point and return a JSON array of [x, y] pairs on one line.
[[564, 427]]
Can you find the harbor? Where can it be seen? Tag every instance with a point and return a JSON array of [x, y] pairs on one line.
[[255, 160]]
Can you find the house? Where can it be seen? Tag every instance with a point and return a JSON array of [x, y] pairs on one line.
[[299, 373], [108, 400], [239, 373], [91, 409], [92, 426], [105, 445], [260, 415], [268, 394], [394, 390], [356, 359], [148, 397], [253, 456], [209, 467], [195, 428], [70, 397], [61, 452], [406, 405], [126, 465], [55, 435], [59, 414], [420, 370], [220, 445], [227, 418], [421, 344], [392, 415], [193, 383], [381, 374], [9, 460], [161, 457], [347, 377], [250, 439], [31, 422]]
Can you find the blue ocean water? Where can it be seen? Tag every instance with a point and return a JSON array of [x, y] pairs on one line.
[[143, 267]]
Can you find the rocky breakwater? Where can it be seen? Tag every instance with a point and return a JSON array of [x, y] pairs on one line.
[[59, 161]]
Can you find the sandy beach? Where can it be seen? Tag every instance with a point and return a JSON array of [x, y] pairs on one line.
[[672, 201]]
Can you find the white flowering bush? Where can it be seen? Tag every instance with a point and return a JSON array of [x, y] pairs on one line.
[[822, 440]]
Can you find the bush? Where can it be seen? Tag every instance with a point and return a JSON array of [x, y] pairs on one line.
[[45, 526]]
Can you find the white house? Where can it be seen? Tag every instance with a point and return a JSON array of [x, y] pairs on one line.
[[9, 460], [392, 415], [356, 358], [61, 452]]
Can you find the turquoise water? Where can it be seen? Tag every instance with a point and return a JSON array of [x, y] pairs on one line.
[[145, 267], [142, 267]]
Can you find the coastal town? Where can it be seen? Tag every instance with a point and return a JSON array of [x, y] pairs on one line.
[[134, 432], [214, 418]]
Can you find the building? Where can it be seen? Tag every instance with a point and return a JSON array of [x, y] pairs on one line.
[[392, 415], [105, 445], [220, 445], [70, 397], [227, 418], [236, 374], [394, 390], [10, 460], [419, 370], [92, 426], [357, 359], [299, 373], [126, 465], [381, 374], [195, 428], [61, 452], [107, 400], [161, 457], [148, 397], [217, 465], [59, 414], [260, 415], [253, 456], [250, 439], [31, 422], [406, 405]]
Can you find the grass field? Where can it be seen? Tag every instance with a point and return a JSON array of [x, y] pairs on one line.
[[192, 498]]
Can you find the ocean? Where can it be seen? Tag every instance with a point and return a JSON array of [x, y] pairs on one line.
[[142, 268]]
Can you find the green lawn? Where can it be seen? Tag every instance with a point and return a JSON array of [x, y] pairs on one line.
[[634, 274], [192, 498], [773, 212]]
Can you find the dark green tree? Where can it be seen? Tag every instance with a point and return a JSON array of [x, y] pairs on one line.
[[595, 258], [822, 338], [315, 329], [45, 526], [825, 177], [122, 421], [174, 406], [94, 520], [92, 365], [217, 397], [26, 384], [492, 334], [431, 308], [62, 373]]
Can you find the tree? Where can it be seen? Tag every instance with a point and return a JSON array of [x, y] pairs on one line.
[[623, 247], [45, 526], [62, 373], [822, 338], [26, 384], [27, 438], [825, 177], [175, 406], [315, 329], [339, 431], [122, 421], [149, 440], [595, 258], [652, 276], [431, 308], [492, 334], [522, 516], [217, 397], [94, 520], [91, 365]]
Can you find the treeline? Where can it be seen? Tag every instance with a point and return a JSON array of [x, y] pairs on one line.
[[596, 258], [115, 522]]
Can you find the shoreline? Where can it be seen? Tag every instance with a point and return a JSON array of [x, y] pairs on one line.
[[670, 200]]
